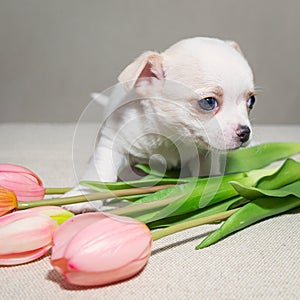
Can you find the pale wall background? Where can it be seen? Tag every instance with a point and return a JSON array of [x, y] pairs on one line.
[[54, 53]]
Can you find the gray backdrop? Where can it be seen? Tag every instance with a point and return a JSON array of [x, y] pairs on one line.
[[54, 53]]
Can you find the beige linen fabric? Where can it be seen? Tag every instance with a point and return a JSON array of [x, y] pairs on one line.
[[261, 262]]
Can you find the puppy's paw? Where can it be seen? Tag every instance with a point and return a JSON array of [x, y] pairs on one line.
[[77, 208], [80, 208], [78, 190]]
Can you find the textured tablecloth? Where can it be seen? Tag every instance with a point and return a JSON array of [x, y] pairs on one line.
[[261, 262]]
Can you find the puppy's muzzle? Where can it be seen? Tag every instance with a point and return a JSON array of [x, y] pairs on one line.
[[243, 132]]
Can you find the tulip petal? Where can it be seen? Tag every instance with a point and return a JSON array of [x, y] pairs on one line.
[[23, 182], [25, 234], [103, 278], [102, 249], [86, 278], [21, 258], [17, 215], [25, 188], [103, 244], [123, 254], [21, 214], [98, 249], [18, 169], [64, 234]]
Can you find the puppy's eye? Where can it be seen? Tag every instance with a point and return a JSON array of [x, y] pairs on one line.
[[208, 104], [250, 102]]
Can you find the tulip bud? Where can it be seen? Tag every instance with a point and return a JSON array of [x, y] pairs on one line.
[[8, 201], [98, 249], [27, 235], [24, 183]]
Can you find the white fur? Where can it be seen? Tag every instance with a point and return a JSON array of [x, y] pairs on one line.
[[156, 115]]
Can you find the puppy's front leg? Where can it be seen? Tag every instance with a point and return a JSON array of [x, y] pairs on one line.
[[103, 166]]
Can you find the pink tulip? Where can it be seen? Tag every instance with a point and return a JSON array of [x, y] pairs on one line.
[[27, 235], [98, 249], [23, 182]]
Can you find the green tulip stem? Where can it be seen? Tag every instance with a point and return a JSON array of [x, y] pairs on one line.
[[56, 191], [90, 197], [192, 223]]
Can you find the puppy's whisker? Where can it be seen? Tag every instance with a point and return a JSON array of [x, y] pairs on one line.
[[258, 89]]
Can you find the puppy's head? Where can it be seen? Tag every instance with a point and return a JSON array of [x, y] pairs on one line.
[[201, 87]]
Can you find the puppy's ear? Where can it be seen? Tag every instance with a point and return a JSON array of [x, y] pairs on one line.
[[235, 45], [146, 68]]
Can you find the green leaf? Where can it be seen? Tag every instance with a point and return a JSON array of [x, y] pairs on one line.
[[249, 214], [246, 159], [208, 211], [198, 194], [289, 172], [292, 189], [272, 195]]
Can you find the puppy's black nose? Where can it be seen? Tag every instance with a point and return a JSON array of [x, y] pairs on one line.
[[243, 132]]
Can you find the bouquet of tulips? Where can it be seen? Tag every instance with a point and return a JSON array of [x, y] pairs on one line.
[[94, 249]]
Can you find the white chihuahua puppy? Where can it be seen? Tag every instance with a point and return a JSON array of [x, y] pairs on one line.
[[193, 97]]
